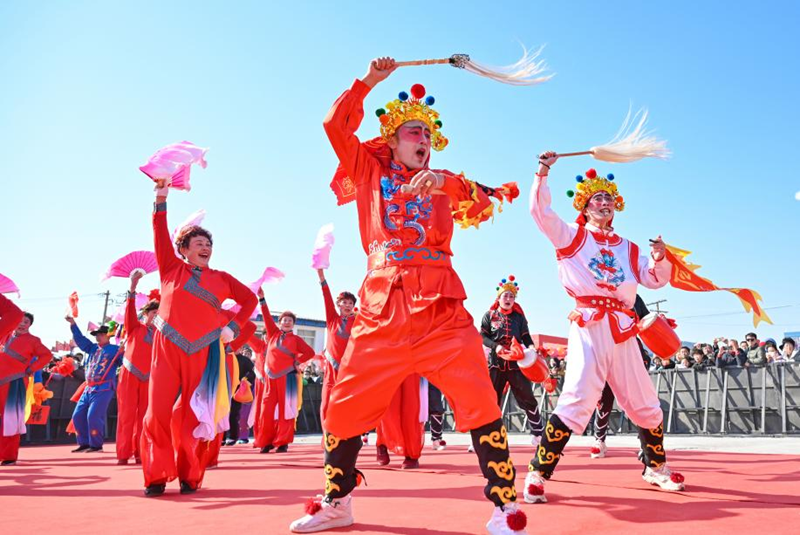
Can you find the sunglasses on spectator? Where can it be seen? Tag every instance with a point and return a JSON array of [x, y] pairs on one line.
[[750, 339]]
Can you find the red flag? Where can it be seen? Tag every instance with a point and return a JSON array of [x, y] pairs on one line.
[[684, 277], [73, 304]]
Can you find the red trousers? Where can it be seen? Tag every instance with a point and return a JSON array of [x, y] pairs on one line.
[[439, 342], [212, 458], [172, 371], [274, 431], [258, 398], [400, 429], [9, 446], [131, 407]]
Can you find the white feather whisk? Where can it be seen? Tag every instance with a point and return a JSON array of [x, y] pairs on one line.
[[528, 70], [633, 142]]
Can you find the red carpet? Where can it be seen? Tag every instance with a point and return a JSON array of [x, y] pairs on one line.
[[53, 489]]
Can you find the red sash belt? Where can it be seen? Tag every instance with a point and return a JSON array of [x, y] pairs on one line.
[[410, 256], [603, 306]]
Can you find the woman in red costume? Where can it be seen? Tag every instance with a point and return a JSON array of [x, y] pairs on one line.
[[21, 355], [338, 324], [187, 354], [412, 318], [402, 428], [135, 374], [279, 402]]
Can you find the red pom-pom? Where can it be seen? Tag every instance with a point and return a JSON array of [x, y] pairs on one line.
[[155, 294], [591, 173], [536, 490], [517, 521], [313, 506], [676, 477], [595, 451], [418, 91], [511, 278]]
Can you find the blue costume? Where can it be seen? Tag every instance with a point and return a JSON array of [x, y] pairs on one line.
[[101, 367]]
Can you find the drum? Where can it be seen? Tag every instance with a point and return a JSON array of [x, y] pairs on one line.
[[656, 333]]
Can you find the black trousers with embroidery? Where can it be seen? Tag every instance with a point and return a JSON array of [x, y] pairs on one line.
[[490, 442], [602, 414], [522, 389]]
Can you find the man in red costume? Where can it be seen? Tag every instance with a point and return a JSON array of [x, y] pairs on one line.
[[135, 374], [412, 318], [21, 355], [339, 324], [187, 351], [279, 402]]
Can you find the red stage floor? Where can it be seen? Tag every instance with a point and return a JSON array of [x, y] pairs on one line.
[[61, 492]]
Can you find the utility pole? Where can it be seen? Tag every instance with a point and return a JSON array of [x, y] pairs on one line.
[[657, 304], [105, 307]]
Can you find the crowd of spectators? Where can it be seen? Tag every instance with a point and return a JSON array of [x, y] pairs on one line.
[[728, 352]]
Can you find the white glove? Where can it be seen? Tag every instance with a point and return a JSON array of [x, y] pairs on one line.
[[530, 358], [226, 335]]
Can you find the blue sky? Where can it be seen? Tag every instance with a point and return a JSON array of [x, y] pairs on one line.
[[91, 89]]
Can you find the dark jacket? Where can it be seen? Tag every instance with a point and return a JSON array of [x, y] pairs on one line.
[[498, 328]]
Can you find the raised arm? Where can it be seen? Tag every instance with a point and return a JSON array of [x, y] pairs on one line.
[[345, 117], [81, 341], [557, 231], [165, 253], [269, 323], [331, 316]]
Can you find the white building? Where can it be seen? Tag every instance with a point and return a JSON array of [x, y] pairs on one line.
[[311, 331]]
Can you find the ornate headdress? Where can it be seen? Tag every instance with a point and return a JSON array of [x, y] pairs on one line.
[[508, 285], [592, 184], [404, 109]]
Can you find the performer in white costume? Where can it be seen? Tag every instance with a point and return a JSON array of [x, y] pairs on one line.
[[601, 271]]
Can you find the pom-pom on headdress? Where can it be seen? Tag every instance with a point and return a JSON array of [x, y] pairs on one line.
[[590, 185], [508, 285], [416, 107]]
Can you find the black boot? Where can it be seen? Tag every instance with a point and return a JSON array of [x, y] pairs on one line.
[[491, 445], [555, 437], [652, 441], [282, 449], [80, 448], [341, 476], [267, 449], [187, 488]]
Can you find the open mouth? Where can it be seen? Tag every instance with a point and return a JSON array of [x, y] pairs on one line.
[[204, 256], [421, 153]]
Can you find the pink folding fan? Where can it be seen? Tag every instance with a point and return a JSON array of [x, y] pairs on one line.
[[7, 286], [144, 261], [173, 163]]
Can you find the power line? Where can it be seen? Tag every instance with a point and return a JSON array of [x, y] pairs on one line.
[[734, 313]]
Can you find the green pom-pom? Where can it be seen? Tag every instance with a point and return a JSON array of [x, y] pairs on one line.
[[570, 194], [438, 123], [380, 111]]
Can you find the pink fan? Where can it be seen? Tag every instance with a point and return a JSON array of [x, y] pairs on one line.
[[7, 286], [144, 261], [270, 274], [321, 257], [174, 162], [91, 327]]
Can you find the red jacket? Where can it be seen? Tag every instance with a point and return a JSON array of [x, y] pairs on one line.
[[285, 349], [191, 297], [17, 355], [138, 342], [338, 328]]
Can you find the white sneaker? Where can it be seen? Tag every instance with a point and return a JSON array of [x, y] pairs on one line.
[[534, 488], [322, 515], [508, 520], [599, 448], [439, 445], [664, 478], [535, 441]]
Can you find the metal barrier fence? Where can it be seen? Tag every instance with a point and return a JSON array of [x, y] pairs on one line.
[[764, 400], [749, 401]]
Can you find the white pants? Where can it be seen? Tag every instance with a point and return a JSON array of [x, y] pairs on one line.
[[594, 359]]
